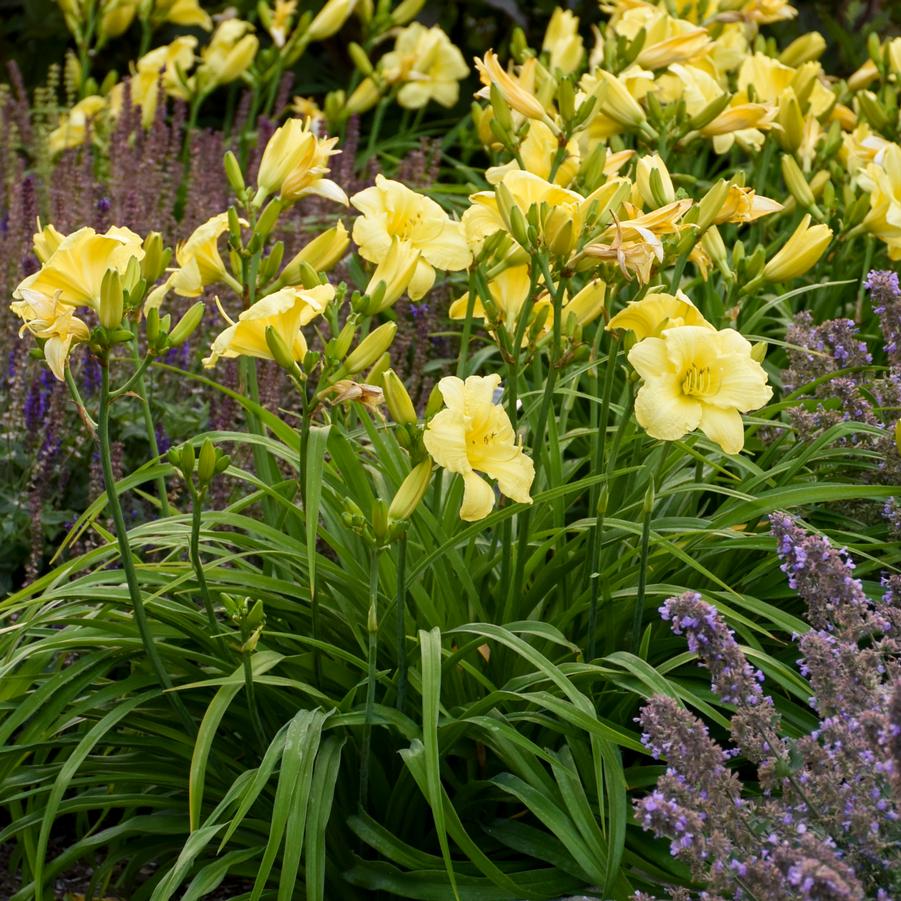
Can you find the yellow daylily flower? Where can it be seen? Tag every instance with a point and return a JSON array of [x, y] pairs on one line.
[[766, 12], [562, 42], [115, 18], [396, 270], [537, 153], [294, 165], [513, 89], [286, 311], [46, 240], [472, 435], [860, 148], [656, 312], [509, 292], [863, 77], [638, 83], [390, 210], [698, 378], [768, 77], [52, 321], [75, 125], [426, 65], [800, 252], [884, 184], [667, 40], [279, 20], [228, 55], [73, 272], [745, 205], [198, 258]]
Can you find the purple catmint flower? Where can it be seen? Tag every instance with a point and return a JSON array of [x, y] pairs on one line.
[[708, 636], [885, 294]]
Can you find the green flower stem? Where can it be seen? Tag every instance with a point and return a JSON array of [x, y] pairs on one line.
[[79, 403], [638, 612], [867, 261], [138, 383], [196, 561], [372, 627], [128, 565], [250, 688], [466, 334], [400, 613]]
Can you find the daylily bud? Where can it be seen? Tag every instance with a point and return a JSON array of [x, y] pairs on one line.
[[588, 304], [233, 172], [359, 57], [758, 351], [131, 278], [379, 519], [187, 459], [370, 348], [185, 326], [796, 182], [321, 254], [268, 218], [872, 109], [398, 400], [799, 253], [809, 46], [711, 203], [329, 19], [651, 173], [710, 112], [712, 243], [206, 462], [364, 98], [615, 101], [152, 325], [791, 120], [411, 492], [156, 258], [406, 11], [280, 351], [111, 300], [434, 403], [376, 375]]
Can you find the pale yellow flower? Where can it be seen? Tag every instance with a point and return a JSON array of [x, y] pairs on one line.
[[766, 12], [667, 40], [281, 20], [863, 77], [228, 55], [745, 205], [395, 270], [307, 108], [509, 291], [860, 148], [285, 311], [562, 42], [76, 125], [656, 312], [73, 272], [46, 240], [638, 83], [294, 165], [426, 65], [52, 321], [698, 378], [537, 153], [884, 184], [472, 435], [513, 89], [115, 18], [390, 210], [800, 252], [200, 263], [768, 77]]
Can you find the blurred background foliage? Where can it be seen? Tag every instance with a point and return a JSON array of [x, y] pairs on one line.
[[33, 34]]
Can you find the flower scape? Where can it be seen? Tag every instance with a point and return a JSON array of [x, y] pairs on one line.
[[447, 468]]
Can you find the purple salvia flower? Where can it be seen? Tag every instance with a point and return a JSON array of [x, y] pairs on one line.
[[885, 294]]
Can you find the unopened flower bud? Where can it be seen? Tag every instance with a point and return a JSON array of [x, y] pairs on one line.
[[406, 11], [206, 462], [233, 173], [411, 492], [370, 348], [796, 182], [397, 399], [186, 325], [111, 300]]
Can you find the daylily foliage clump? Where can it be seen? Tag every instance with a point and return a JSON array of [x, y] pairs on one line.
[[422, 615]]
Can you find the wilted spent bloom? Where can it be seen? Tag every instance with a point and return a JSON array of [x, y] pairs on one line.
[[426, 65], [391, 210], [656, 312], [54, 323], [74, 271], [698, 378], [76, 125], [285, 311], [562, 42], [228, 55], [800, 252], [512, 89], [472, 435], [294, 165]]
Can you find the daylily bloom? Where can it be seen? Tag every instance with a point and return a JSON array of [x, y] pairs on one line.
[[667, 40], [74, 271], [198, 258], [181, 12], [562, 42], [799, 253], [656, 312], [390, 210], [860, 148], [396, 271], [884, 184], [537, 153], [426, 65], [279, 20], [54, 322], [695, 377], [745, 205], [294, 165], [286, 311], [228, 55], [509, 291], [512, 89], [472, 435], [74, 125]]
